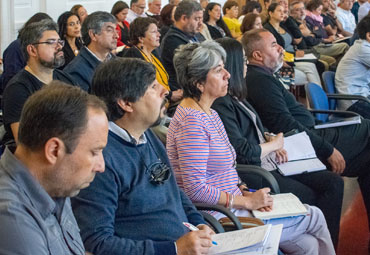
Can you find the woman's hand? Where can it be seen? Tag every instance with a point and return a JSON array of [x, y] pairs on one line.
[[259, 200], [281, 156]]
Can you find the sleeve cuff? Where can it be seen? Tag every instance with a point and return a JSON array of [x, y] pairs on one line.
[[165, 248]]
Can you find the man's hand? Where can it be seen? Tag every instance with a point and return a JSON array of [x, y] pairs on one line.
[[299, 53], [195, 242], [337, 162]]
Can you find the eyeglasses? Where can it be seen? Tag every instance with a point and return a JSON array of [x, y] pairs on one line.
[[53, 42], [159, 173]]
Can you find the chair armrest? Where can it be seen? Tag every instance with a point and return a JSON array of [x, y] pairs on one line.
[[247, 171], [221, 209], [215, 224], [348, 97], [336, 112]]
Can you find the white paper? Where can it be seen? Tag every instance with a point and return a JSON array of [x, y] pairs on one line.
[[301, 166], [299, 146], [308, 56], [285, 205], [239, 239]]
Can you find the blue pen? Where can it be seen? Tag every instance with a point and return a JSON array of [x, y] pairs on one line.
[[194, 228], [254, 190]]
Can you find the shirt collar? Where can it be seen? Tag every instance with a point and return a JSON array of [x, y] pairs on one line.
[[109, 56], [125, 135], [262, 68], [38, 196]]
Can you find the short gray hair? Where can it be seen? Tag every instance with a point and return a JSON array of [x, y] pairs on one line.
[[32, 33], [252, 40], [192, 63], [187, 8], [95, 21]]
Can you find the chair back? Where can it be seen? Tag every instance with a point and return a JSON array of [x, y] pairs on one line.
[[329, 86], [317, 100]]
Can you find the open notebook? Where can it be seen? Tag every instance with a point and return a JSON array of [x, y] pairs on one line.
[[285, 205], [252, 241], [301, 156]]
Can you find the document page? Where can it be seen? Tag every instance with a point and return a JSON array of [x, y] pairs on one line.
[[301, 166], [235, 240], [308, 56], [299, 146], [285, 205]]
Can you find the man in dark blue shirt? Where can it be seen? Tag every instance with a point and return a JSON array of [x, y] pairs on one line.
[[135, 206]]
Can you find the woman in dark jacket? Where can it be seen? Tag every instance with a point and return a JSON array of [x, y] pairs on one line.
[[213, 19], [70, 31], [247, 135]]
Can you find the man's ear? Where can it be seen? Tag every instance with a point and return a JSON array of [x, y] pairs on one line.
[[54, 149], [126, 106], [31, 50], [92, 35], [257, 55], [368, 36], [184, 19]]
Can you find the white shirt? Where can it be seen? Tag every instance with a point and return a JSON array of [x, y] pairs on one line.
[[131, 15], [347, 19], [353, 73], [363, 10]]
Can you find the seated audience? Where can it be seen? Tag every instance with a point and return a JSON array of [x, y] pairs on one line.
[[42, 48], [231, 11], [264, 13], [245, 131], [154, 9], [137, 8], [100, 37], [167, 19], [315, 24], [204, 160], [355, 7], [345, 16], [213, 19], [120, 10], [59, 129], [188, 22], [285, 40], [13, 58], [345, 150], [331, 22], [250, 7], [204, 4], [80, 11], [314, 38], [353, 72], [70, 31], [135, 206], [364, 10]]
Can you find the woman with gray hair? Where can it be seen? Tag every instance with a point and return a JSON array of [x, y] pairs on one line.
[[204, 160]]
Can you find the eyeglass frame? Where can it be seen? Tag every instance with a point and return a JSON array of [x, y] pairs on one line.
[[54, 42]]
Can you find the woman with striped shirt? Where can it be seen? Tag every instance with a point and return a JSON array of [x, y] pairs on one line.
[[204, 160]]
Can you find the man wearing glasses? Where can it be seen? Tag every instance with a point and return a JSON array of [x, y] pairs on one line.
[[42, 48], [137, 8], [100, 37], [135, 206]]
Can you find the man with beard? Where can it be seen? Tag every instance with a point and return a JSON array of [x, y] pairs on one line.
[[100, 37], [62, 133], [345, 150], [188, 22], [42, 48], [135, 206]]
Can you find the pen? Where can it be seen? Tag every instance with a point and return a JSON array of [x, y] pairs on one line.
[[254, 190], [194, 228]]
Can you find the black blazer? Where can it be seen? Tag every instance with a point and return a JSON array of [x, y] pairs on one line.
[[240, 129]]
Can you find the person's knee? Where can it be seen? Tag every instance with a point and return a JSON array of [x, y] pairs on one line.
[[304, 244]]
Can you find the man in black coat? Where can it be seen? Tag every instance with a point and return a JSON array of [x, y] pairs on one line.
[[345, 149]]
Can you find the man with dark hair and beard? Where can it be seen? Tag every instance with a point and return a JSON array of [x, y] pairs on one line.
[[135, 206], [42, 49]]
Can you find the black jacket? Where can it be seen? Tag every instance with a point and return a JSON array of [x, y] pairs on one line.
[[240, 129], [172, 40]]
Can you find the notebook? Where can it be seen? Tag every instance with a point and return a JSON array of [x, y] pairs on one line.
[[285, 205], [337, 122], [301, 156], [257, 241]]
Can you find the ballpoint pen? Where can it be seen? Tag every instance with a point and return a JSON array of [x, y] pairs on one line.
[[194, 228]]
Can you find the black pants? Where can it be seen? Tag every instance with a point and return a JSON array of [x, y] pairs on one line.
[[323, 189], [353, 142]]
